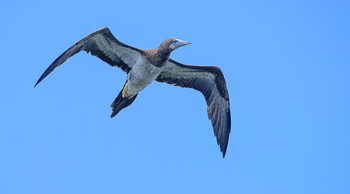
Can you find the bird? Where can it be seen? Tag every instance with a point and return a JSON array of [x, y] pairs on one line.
[[143, 66]]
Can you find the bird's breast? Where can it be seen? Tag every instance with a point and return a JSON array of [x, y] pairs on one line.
[[141, 75]]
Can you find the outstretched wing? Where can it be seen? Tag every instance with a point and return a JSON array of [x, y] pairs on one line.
[[105, 46], [211, 82]]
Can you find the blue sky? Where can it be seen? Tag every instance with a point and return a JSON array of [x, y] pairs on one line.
[[287, 68]]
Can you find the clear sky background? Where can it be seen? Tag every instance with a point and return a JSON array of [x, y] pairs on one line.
[[287, 68]]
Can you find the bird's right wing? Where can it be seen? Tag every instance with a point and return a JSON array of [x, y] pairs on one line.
[[211, 82], [105, 46]]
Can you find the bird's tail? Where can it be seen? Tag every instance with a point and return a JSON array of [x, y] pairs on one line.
[[120, 102]]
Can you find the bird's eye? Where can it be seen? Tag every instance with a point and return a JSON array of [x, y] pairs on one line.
[[175, 41]]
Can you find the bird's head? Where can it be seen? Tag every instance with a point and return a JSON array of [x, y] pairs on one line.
[[174, 43], [165, 48]]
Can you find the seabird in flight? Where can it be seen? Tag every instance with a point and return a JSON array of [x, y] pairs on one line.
[[145, 65]]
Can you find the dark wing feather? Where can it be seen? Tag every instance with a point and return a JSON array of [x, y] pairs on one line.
[[210, 81], [105, 46]]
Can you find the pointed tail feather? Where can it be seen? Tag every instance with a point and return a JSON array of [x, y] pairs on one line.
[[120, 102]]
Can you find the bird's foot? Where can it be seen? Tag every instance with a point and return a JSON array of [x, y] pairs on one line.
[[125, 90]]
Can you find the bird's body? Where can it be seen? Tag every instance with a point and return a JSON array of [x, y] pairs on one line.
[[143, 66], [141, 75]]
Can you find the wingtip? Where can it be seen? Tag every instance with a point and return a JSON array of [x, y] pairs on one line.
[[113, 114], [37, 82], [223, 148], [223, 154]]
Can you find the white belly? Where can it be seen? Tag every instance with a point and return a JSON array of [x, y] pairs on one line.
[[140, 76]]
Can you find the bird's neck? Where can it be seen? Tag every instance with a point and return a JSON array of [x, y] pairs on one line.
[[160, 56]]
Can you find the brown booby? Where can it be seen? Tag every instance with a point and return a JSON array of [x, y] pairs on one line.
[[145, 65]]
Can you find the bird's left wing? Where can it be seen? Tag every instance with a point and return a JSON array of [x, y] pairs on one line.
[[210, 81], [105, 46]]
